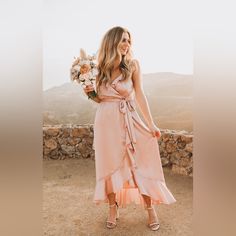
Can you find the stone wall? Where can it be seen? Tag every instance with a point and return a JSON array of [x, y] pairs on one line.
[[76, 141]]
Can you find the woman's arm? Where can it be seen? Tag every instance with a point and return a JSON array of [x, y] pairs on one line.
[[96, 99], [139, 94], [141, 98], [90, 88]]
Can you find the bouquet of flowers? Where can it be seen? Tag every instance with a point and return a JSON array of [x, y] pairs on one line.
[[84, 71]]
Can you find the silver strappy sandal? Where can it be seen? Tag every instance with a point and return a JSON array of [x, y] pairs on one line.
[[111, 224], [155, 225]]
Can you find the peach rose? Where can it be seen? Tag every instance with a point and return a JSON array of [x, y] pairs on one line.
[[85, 69]]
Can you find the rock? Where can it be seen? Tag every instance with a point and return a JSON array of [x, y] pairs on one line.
[[54, 155], [89, 141], [67, 149], [163, 145], [78, 155], [179, 170], [184, 162], [177, 138], [86, 155], [165, 137], [165, 154], [189, 147], [181, 145], [73, 141], [170, 147], [164, 161], [62, 141], [52, 132], [80, 132], [65, 133], [46, 151], [82, 147], [51, 144], [175, 157], [189, 170], [187, 138]]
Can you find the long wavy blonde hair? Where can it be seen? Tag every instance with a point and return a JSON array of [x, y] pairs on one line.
[[108, 53]]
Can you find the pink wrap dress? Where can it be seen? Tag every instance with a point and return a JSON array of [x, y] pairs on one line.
[[127, 158]]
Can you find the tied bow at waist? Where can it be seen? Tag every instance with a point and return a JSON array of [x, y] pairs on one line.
[[126, 106]]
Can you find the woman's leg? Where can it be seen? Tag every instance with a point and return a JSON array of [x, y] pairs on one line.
[[151, 213], [147, 200], [112, 198], [112, 210]]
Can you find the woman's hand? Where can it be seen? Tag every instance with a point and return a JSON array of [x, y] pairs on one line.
[[155, 131], [88, 88]]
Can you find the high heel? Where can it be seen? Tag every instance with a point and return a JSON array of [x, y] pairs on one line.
[[111, 224], [154, 225]]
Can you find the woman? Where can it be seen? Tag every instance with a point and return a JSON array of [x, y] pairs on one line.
[[128, 164]]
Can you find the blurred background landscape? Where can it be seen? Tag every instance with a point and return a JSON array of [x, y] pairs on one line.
[[170, 97]]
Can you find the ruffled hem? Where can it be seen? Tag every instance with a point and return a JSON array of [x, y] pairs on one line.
[[129, 186]]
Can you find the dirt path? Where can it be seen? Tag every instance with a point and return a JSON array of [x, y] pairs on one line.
[[68, 210]]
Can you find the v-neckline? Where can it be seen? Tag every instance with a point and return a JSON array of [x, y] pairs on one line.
[[116, 77]]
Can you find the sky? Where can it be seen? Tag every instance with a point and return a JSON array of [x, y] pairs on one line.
[[161, 30]]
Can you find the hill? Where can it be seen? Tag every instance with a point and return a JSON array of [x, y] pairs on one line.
[[170, 98]]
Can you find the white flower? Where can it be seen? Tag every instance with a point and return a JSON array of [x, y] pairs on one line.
[[87, 82], [77, 68], [90, 74], [94, 71], [84, 76]]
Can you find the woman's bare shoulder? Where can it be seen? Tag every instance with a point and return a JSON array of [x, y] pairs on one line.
[[135, 65], [135, 71]]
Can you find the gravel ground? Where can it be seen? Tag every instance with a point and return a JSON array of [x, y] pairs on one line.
[[68, 210]]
